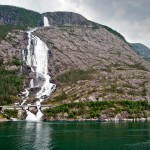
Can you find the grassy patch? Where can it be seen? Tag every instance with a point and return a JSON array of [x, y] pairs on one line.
[[61, 97], [16, 61], [73, 76], [137, 66]]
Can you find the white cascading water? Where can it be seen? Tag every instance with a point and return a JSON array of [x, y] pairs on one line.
[[46, 22], [37, 58]]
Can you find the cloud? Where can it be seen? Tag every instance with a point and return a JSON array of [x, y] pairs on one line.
[[129, 17], [44, 5]]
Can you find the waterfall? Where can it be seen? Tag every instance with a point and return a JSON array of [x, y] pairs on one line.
[[31, 84], [46, 22], [36, 57]]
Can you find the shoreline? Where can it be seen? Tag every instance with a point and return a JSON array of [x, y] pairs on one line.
[[104, 120], [84, 120], [4, 119]]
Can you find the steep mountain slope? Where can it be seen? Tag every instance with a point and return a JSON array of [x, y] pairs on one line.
[[66, 18], [18, 16], [12, 41], [11, 48], [11, 78], [94, 64], [141, 50], [13, 18], [71, 18], [88, 61], [85, 47]]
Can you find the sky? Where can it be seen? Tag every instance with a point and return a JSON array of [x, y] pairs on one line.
[[131, 18]]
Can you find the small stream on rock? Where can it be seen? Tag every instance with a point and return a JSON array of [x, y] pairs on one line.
[[36, 57]]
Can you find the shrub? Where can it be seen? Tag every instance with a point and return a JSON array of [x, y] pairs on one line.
[[95, 108], [72, 115], [10, 85], [61, 97], [1, 62], [16, 62], [10, 113]]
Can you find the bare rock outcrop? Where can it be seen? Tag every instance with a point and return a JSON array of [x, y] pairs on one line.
[[117, 71], [84, 48], [11, 49], [66, 18]]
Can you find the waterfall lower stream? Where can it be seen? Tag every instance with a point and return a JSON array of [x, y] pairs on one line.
[[36, 57]]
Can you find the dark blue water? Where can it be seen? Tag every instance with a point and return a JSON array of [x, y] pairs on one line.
[[74, 136]]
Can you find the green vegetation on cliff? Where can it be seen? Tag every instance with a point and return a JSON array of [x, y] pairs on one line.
[[73, 76], [13, 18], [19, 16], [4, 29], [109, 109], [10, 113], [10, 85], [120, 73], [114, 32]]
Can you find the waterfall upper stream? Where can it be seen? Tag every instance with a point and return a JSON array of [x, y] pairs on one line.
[[36, 57], [46, 22]]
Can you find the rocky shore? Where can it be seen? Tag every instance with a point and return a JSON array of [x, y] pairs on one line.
[[92, 119], [102, 120], [115, 119], [3, 119]]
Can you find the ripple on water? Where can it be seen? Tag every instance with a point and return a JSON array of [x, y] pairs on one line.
[[75, 135]]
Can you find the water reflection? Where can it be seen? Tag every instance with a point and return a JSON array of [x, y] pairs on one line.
[[74, 135], [37, 136]]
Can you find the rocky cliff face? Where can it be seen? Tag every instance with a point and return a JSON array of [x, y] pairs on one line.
[[113, 69], [66, 18], [11, 49], [88, 61], [18, 16], [85, 48], [11, 78]]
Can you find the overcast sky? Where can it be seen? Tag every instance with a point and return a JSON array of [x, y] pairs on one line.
[[129, 17]]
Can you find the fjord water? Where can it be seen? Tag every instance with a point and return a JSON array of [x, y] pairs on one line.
[[74, 136]]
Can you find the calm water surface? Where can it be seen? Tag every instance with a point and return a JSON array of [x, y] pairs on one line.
[[74, 136]]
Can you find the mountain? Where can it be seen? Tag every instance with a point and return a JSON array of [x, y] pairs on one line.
[[141, 50], [13, 18], [66, 18], [18, 16], [71, 18], [87, 61], [91, 64]]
